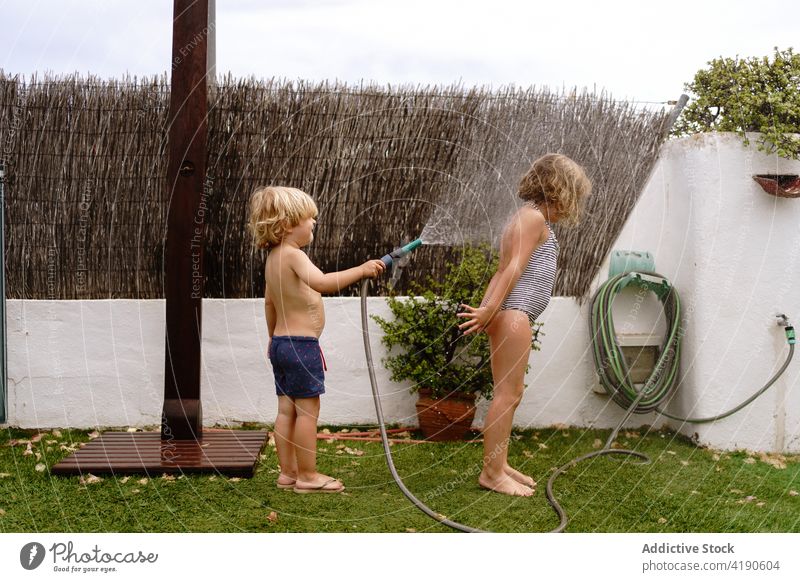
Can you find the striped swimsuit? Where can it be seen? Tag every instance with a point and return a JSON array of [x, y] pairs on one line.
[[532, 292]]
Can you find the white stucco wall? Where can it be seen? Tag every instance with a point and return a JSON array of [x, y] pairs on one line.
[[101, 363], [730, 249]]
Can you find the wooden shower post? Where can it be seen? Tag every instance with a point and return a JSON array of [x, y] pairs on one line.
[[181, 446], [182, 415]]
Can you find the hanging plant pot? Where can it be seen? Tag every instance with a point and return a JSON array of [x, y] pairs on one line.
[[445, 419], [783, 185]]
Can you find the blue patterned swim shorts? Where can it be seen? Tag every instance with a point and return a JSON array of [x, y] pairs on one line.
[[299, 365]]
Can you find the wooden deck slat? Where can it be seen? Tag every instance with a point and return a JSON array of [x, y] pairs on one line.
[[143, 452], [149, 456], [240, 435], [134, 458], [141, 448], [156, 446], [155, 462], [150, 467], [228, 452]]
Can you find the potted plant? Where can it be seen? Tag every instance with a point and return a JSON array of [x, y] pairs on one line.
[[447, 369], [748, 95]]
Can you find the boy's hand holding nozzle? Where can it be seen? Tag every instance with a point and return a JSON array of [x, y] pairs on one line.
[[373, 268]]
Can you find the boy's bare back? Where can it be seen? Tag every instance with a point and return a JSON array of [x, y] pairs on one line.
[[298, 307]]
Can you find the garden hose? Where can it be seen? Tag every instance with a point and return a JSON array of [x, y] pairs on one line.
[[606, 450], [609, 360], [382, 425], [613, 373], [612, 369], [399, 481]]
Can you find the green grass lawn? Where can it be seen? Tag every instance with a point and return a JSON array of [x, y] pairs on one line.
[[684, 489]]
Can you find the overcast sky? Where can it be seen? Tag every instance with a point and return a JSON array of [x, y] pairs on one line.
[[638, 50]]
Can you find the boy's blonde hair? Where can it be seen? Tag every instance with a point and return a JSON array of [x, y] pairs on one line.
[[558, 181], [276, 209]]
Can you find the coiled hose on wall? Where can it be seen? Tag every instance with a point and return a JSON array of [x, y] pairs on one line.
[[612, 370], [609, 361]]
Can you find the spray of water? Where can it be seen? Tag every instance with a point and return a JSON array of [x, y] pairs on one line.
[[473, 215], [484, 196]]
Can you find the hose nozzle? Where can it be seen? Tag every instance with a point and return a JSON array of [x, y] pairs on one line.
[[400, 252]]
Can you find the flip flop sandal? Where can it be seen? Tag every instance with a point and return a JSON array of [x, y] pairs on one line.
[[320, 488], [285, 485]]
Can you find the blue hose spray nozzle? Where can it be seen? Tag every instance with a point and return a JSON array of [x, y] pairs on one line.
[[397, 259], [400, 252]]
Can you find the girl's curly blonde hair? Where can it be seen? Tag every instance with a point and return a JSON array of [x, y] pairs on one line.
[[276, 209], [559, 182]]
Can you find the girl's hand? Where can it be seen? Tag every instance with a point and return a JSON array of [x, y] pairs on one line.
[[372, 268], [477, 319]]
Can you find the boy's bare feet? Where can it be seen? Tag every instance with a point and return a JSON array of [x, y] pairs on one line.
[[520, 477], [504, 484], [319, 484]]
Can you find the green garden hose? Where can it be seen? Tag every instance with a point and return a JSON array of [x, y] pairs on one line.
[[609, 360]]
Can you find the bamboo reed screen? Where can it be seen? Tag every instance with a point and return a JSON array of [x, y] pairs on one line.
[[86, 194]]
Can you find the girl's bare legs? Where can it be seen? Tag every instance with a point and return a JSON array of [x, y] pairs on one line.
[[305, 440], [510, 344], [284, 440]]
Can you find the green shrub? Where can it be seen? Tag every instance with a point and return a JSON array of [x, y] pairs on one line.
[[748, 95], [433, 352]]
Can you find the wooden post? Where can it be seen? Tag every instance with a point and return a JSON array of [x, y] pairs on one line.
[[182, 415], [178, 447]]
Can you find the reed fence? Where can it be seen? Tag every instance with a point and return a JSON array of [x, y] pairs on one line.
[[87, 199]]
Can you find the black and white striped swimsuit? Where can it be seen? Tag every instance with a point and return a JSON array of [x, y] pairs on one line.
[[532, 292]]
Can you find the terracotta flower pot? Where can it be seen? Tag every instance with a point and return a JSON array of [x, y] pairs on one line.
[[782, 185], [445, 419]]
